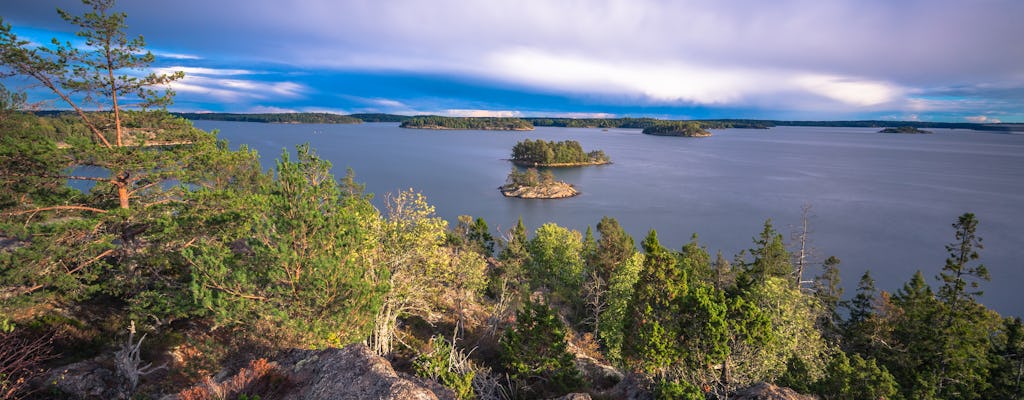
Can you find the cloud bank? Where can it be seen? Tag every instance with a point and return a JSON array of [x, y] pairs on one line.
[[845, 57]]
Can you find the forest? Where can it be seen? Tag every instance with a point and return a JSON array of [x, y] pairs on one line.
[[678, 128], [275, 118], [187, 247], [541, 153], [481, 123]]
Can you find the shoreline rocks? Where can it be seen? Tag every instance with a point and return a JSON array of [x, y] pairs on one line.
[[555, 190]]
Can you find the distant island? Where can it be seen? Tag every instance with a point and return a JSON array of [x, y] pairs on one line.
[[569, 153], [275, 118], [533, 185], [484, 123], [904, 129], [678, 128]]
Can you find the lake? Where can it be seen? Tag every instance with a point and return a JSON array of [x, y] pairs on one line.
[[883, 202]]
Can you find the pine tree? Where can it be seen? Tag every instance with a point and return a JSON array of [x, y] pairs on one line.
[[534, 353]]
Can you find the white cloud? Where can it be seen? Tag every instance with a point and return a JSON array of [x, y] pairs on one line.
[[481, 113], [673, 81], [269, 110], [980, 119], [179, 56]]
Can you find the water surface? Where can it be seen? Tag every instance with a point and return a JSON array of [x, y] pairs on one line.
[[883, 202]]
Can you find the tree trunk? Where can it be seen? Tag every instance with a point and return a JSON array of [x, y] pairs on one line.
[[122, 189]]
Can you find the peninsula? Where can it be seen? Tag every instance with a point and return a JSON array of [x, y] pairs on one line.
[[904, 129], [569, 153], [533, 185], [677, 128], [487, 124]]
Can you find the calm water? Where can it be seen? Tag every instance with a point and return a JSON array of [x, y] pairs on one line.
[[883, 202]]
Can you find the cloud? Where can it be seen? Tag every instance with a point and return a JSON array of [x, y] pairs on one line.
[[833, 57], [680, 82], [482, 113], [227, 84], [979, 119], [178, 56]]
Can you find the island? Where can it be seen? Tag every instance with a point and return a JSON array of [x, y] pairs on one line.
[[904, 129], [275, 118], [531, 184], [467, 123], [677, 128], [569, 153]]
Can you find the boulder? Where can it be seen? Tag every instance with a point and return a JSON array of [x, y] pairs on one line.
[[353, 372], [767, 391]]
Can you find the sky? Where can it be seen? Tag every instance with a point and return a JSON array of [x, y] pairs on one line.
[[928, 60]]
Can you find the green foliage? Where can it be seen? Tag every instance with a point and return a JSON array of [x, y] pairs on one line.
[[620, 291], [291, 253], [677, 128], [1007, 362], [534, 353], [852, 378], [770, 258], [667, 390], [481, 123], [555, 261], [544, 153], [440, 364]]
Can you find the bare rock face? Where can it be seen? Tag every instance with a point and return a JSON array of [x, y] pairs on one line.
[[353, 372], [89, 379], [556, 190], [575, 396], [767, 391]]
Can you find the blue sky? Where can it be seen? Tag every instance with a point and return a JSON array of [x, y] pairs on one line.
[[937, 60]]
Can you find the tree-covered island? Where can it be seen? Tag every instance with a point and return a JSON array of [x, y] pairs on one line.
[[677, 128], [904, 129], [531, 184], [569, 153], [485, 123]]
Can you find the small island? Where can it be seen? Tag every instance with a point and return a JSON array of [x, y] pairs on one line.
[[904, 129], [569, 153], [530, 184], [466, 123], [677, 128]]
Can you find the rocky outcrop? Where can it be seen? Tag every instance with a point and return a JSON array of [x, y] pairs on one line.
[[555, 190], [89, 379], [350, 373], [353, 372], [767, 391]]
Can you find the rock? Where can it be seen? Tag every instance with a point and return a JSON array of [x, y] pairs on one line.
[[353, 372], [555, 190], [767, 391], [600, 376], [89, 379], [574, 396]]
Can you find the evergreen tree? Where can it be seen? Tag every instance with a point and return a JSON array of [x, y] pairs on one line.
[[965, 325], [828, 292], [770, 257], [534, 354]]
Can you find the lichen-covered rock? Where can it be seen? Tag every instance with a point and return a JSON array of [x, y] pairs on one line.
[[353, 372], [555, 190], [767, 391], [89, 379], [574, 396]]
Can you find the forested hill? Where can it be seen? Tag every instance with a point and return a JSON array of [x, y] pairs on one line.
[[489, 123], [485, 123], [277, 118]]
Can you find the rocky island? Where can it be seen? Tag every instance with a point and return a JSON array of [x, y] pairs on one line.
[[533, 185], [466, 123], [904, 129], [677, 128], [569, 153]]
